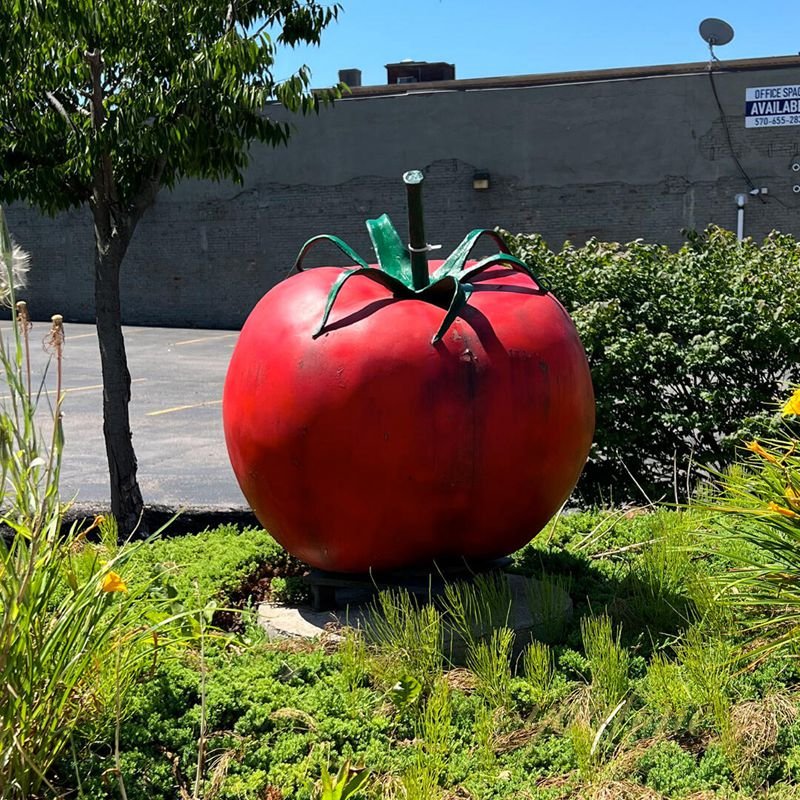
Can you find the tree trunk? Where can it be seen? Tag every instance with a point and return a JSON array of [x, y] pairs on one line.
[[126, 497]]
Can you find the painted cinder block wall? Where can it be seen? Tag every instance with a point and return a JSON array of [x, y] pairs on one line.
[[615, 154]]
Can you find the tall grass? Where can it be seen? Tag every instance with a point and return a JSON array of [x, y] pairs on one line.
[[72, 633], [539, 670], [662, 577], [476, 608], [408, 635], [550, 607], [490, 660], [757, 512], [608, 661]]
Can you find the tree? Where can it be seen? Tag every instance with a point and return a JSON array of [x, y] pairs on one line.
[[103, 102]]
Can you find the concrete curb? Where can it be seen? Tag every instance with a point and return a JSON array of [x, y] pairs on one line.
[[190, 518]]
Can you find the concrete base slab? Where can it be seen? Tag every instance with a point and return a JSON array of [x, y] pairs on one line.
[[284, 621]]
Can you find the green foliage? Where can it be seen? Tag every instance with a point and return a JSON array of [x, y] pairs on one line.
[[675, 772], [73, 636], [707, 664], [687, 349], [538, 669], [759, 532], [278, 713], [608, 661], [663, 577], [666, 693], [214, 563], [548, 601], [162, 91], [490, 660], [102, 104], [345, 784], [474, 609], [408, 634]]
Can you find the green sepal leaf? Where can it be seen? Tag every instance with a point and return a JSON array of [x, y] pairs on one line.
[[390, 282], [393, 256], [503, 258], [326, 237], [461, 293], [456, 260]]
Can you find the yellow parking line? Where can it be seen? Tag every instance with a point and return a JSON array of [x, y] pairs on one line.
[[72, 389], [206, 338], [182, 408]]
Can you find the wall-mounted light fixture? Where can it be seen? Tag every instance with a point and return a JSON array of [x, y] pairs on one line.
[[480, 181]]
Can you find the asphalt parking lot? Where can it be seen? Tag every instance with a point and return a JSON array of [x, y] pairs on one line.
[[176, 413]]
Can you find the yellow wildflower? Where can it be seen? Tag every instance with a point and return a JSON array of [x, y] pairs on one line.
[[755, 447], [113, 583], [792, 405], [784, 512], [793, 496]]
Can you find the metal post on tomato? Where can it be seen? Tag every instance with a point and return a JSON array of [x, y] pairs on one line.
[[417, 244]]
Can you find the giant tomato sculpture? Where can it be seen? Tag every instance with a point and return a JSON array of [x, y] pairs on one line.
[[387, 415]]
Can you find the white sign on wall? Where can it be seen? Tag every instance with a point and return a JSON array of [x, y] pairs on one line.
[[768, 106]]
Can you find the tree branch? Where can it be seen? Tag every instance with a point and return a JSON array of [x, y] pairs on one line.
[[230, 17], [148, 189], [53, 100], [105, 186]]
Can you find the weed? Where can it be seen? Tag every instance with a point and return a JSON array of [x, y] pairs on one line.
[[665, 691], [354, 659], [707, 664], [661, 575], [434, 728], [491, 662], [538, 669], [608, 662], [483, 732], [408, 635], [549, 604], [347, 782], [474, 609], [581, 737]]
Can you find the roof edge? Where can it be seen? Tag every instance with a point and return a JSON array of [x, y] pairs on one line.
[[581, 76]]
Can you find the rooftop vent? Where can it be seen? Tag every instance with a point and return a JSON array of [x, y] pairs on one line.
[[352, 77], [420, 72]]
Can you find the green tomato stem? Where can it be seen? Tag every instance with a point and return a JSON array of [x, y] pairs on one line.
[[418, 245]]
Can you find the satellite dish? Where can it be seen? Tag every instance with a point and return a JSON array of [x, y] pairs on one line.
[[716, 31]]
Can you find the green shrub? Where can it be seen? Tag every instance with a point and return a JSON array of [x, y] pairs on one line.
[[668, 768], [687, 349]]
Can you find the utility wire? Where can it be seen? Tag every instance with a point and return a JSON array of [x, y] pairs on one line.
[[725, 125]]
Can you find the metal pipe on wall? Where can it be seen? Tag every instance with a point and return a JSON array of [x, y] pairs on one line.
[[741, 199]]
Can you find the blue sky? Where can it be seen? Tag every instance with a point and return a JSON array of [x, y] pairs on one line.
[[514, 37]]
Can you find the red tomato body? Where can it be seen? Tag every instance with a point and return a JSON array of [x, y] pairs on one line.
[[370, 447]]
